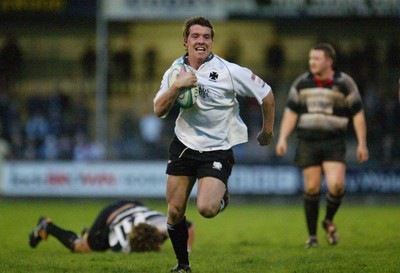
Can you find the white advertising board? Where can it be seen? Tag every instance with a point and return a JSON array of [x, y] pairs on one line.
[[136, 179]]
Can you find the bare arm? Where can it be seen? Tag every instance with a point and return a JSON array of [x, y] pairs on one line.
[[360, 128], [268, 111], [166, 101], [288, 123]]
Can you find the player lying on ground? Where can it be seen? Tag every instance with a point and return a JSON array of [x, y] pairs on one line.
[[126, 226]]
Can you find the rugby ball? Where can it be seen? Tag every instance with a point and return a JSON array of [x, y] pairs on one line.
[[187, 96]]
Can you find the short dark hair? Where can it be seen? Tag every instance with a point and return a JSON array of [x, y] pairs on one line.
[[328, 49], [197, 20], [145, 237]]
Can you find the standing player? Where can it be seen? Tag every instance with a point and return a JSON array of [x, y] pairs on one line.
[[206, 132], [320, 104], [126, 226]]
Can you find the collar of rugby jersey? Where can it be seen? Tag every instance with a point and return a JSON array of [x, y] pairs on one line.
[[325, 82], [186, 58]]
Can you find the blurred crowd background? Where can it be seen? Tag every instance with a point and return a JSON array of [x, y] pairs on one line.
[[48, 80]]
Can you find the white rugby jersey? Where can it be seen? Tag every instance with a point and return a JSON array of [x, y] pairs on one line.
[[121, 225], [213, 123]]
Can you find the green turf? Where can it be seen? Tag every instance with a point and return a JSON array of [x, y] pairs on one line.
[[245, 238]]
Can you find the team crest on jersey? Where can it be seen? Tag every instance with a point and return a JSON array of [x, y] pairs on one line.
[[207, 94], [213, 76], [203, 92]]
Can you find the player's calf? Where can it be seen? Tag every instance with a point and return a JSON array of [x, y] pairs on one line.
[[225, 200]]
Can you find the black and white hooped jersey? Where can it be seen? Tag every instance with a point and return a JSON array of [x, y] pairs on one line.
[[324, 108], [121, 225], [213, 123]]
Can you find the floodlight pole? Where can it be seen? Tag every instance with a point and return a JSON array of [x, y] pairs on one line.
[[101, 78]]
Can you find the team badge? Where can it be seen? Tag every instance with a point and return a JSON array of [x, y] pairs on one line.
[[217, 165], [213, 76]]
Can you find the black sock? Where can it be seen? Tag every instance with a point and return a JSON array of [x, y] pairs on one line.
[[67, 238], [333, 204], [311, 208], [179, 237]]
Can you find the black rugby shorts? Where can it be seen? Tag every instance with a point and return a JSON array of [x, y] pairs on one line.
[[314, 152], [187, 162]]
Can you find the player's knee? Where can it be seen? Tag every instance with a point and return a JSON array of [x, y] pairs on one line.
[[312, 187], [175, 214], [311, 190], [336, 188], [207, 211]]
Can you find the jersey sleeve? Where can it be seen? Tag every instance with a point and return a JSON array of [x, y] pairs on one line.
[[353, 99], [163, 89], [246, 83], [163, 86]]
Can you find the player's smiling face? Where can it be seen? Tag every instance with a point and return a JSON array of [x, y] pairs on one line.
[[198, 44], [318, 62]]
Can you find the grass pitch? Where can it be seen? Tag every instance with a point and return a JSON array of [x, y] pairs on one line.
[[247, 237]]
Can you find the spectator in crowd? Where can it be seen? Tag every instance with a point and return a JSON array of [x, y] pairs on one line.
[[36, 129], [57, 106], [86, 150], [129, 144], [151, 129], [77, 120], [50, 148], [65, 146], [16, 130]]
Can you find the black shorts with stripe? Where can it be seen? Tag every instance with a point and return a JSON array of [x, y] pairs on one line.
[[315, 152], [184, 161]]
